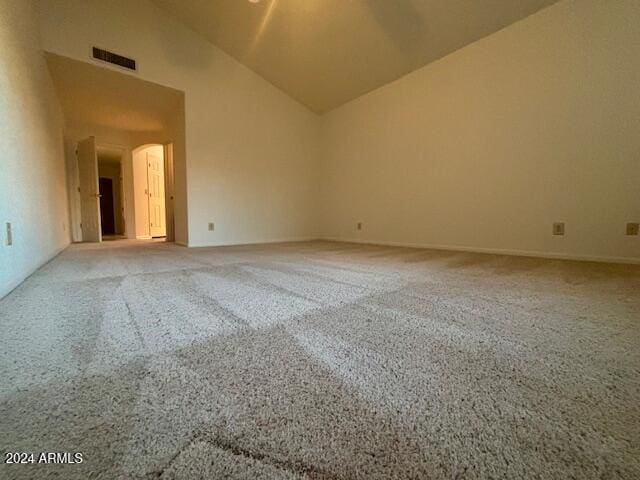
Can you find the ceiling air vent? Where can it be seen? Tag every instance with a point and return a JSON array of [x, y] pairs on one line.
[[114, 58]]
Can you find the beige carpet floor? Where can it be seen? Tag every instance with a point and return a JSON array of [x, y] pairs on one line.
[[321, 360]]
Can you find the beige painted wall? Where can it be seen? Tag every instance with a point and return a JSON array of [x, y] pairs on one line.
[[32, 169], [251, 150], [487, 147]]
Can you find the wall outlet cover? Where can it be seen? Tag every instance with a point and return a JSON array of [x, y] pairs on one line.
[[558, 228], [9, 234], [359, 226]]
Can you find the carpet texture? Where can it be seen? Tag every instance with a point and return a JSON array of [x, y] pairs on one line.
[[321, 360]]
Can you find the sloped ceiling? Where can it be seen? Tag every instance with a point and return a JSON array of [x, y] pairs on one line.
[[326, 52], [92, 95]]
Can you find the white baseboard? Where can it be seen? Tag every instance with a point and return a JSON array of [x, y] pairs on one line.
[[256, 242], [12, 285], [495, 251], [143, 237]]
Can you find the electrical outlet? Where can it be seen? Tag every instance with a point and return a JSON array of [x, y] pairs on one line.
[[9, 234], [211, 226], [359, 226], [558, 228], [632, 228]]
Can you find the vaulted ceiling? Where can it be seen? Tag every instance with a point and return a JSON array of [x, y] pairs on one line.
[[326, 52]]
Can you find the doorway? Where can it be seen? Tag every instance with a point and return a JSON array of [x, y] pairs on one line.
[[126, 193], [107, 207], [111, 192], [151, 188], [123, 114]]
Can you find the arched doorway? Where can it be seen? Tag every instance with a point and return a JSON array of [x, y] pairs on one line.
[[153, 191]]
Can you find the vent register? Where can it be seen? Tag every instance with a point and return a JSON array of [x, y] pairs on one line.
[[114, 58]]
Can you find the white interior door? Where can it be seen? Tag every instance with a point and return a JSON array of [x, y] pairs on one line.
[[89, 190], [155, 177]]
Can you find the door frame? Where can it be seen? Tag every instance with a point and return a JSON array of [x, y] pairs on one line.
[[103, 183], [125, 158], [169, 186], [169, 191]]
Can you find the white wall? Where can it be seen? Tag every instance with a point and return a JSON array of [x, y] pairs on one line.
[[251, 150], [484, 149], [32, 168]]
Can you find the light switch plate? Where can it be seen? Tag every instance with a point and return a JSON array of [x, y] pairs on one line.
[[632, 228], [558, 228]]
